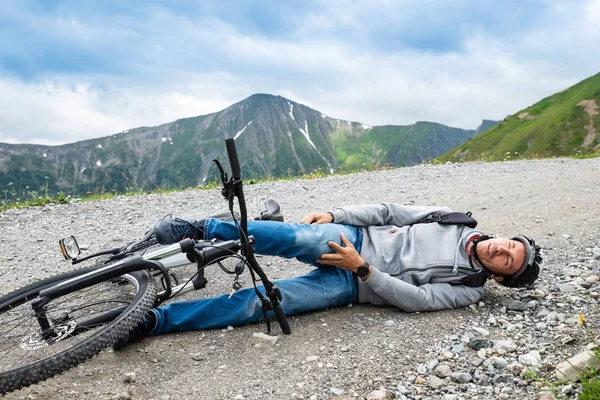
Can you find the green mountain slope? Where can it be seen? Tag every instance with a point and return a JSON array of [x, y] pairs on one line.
[[566, 123]]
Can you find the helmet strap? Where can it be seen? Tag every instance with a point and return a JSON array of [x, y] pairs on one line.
[[473, 252]]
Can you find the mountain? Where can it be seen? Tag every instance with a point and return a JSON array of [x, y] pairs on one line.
[[566, 123], [275, 137]]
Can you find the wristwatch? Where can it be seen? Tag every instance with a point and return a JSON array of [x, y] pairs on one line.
[[363, 270]]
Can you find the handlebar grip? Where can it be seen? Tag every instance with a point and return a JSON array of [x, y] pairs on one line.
[[236, 172], [283, 322]]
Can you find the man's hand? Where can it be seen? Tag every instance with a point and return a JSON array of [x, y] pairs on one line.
[[317, 218], [344, 257]]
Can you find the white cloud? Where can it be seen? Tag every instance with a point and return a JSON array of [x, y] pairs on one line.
[[70, 109], [172, 66]]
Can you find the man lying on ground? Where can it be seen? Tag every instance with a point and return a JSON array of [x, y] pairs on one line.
[[383, 254]]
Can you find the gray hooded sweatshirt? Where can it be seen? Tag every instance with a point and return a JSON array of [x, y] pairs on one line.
[[413, 265]]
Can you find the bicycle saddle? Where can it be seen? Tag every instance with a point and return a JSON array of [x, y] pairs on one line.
[[272, 213]]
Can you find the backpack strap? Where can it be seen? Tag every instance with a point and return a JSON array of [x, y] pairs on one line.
[[477, 279], [451, 218]]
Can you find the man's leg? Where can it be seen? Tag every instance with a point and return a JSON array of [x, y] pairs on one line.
[[321, 288], [305, 242]]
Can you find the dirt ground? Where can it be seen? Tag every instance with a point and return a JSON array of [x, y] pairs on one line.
[[355, 349]]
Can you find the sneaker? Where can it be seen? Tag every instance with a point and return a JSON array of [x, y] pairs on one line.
[[172, 230], [138, 333]]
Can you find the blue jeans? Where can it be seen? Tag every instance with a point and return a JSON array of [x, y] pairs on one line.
[[323, 287]]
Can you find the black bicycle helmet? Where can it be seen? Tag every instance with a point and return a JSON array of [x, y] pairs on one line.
[[530, 270]]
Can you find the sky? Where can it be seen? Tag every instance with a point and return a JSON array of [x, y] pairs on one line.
[[76, 69]]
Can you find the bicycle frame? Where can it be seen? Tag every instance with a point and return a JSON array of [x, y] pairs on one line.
[[203, 253]]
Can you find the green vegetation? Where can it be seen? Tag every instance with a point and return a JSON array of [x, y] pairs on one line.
[[557, 126], [12, 198]]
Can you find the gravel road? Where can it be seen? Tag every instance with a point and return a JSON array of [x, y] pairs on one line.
[[351, 352]]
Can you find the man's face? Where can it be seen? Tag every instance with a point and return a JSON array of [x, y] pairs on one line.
[[501, 256]]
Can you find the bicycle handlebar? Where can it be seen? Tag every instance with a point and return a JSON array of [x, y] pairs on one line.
[[236, 172]]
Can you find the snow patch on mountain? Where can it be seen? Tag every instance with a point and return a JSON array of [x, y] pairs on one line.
[[237, 135]]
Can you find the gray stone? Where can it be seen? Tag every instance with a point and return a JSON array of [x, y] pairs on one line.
[[458, 348], [573, 367], [435, 382], [565, 288], [502, 378], [129, 377], [515, 368], [478, 344], [495, 363], [481, 331], [505, 345], [461, 377], [377, 395], [484, 380], [532, 358], [516, 305], [443, 370]]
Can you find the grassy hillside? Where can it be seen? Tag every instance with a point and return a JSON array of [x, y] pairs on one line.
[[564, 124]]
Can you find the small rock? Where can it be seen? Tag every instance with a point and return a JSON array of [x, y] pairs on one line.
[[442, 370], [377, 395], [389, 322], [481, 331], [435, 382], [478, 344], [565, 288], [516, 305], [419, 380], [129, 377], [402, 389], [507, 346], [461, 377], [312, 358], [571, 369], [495, 363], [458, 348], [515, 368], [502, 378], [533, 358], [264, 336], [336, 391]]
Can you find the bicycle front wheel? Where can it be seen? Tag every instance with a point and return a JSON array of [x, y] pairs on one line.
[[82, 323]]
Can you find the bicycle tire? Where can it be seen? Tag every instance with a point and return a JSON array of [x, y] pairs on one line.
[[29, 358]]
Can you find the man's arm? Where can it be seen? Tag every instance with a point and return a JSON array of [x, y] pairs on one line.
[[383, 214], [428, 297]]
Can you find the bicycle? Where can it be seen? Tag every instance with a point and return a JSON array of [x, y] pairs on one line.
[[52, 325]]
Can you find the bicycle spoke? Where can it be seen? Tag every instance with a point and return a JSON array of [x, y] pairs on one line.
[[72, 317]]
